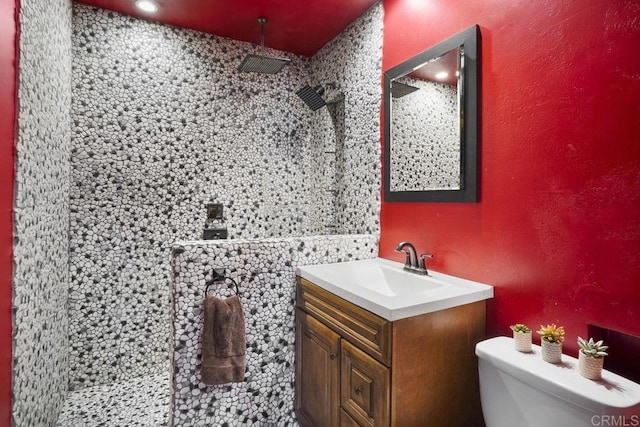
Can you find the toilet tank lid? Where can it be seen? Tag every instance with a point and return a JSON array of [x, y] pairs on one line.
[[562, 380]]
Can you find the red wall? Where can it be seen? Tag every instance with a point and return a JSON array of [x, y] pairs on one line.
[[557, 229], [8, 59]]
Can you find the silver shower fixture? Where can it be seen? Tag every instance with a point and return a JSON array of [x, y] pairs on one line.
[[261, 63], [312, 96], [398, 90]]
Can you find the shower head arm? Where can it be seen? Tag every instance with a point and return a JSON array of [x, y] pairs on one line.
[[262, 21]]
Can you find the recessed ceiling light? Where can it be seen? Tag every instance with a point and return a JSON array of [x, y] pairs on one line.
[[147, 6], [442, 75]]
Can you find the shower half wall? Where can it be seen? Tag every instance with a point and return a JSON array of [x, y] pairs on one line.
[[162, 124]]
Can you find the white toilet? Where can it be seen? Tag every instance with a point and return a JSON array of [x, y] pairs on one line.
[[520, 389]]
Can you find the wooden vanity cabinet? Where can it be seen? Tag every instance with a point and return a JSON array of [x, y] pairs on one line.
[[354, 368]]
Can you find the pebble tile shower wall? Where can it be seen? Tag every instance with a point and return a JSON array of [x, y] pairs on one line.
[[163, 122], [41, 213]]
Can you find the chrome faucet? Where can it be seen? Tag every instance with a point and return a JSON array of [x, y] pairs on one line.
[[411, 262]]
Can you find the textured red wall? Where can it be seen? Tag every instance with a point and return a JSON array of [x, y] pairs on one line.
[[7, 137], [557, 229]]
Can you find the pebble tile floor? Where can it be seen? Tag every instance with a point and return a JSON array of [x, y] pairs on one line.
[[138, 402]]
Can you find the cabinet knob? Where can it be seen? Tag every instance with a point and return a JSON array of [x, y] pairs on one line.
[[358, 390], [333, 356]]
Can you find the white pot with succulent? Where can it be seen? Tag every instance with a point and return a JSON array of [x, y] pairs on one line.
[[551, 340], [591, 358], [521, 337]]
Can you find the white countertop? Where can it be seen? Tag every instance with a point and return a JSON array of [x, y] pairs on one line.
[[384, 288]]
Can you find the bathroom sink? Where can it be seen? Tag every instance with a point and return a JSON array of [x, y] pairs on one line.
[[384, 288], [386, 280]]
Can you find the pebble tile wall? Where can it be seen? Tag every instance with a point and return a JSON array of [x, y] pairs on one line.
[[353, 61], [426, 127], [163, 123], [265, 270], [41, 213]]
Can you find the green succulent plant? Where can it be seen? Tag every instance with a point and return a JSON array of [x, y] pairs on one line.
[[552, 333], [592, 348], [520, 327]]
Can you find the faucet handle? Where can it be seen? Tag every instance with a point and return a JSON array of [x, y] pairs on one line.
[[423, 263]]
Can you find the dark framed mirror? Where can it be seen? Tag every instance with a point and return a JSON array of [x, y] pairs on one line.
[[431, 123]]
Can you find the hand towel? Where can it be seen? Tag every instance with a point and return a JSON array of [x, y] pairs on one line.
[[223, 341]]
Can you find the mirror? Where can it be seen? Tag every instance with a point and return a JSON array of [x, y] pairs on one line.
[[430, 109]]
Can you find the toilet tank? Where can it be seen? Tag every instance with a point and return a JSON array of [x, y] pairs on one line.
[[520, 389]]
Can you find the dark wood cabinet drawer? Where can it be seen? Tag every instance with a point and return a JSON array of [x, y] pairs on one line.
[[369, 332], [364, 387]]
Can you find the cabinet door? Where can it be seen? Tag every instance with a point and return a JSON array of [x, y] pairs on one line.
[[346, 420], [364, 387], [317, 372]]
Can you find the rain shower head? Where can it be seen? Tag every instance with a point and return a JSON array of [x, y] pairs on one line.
[[261, 63], [312, 96], [398, 90]]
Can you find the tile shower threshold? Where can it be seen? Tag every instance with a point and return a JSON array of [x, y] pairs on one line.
[[141, 402]]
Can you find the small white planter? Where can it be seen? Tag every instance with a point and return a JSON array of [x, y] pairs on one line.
[[551, 351], [522, 341], [590, 367]]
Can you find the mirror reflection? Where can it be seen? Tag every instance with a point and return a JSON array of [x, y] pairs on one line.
[[430, 147], [425, 153]]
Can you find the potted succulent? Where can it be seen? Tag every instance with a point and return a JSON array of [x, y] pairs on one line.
[[551, 342], [521, 337], [591, 358]]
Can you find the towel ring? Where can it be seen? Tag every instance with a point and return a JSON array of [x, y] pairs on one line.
[[221, 279]]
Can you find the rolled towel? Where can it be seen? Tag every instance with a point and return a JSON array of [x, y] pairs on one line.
[[223, 341]]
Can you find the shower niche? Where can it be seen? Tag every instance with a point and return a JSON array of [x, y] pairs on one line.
[[214, 227]]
